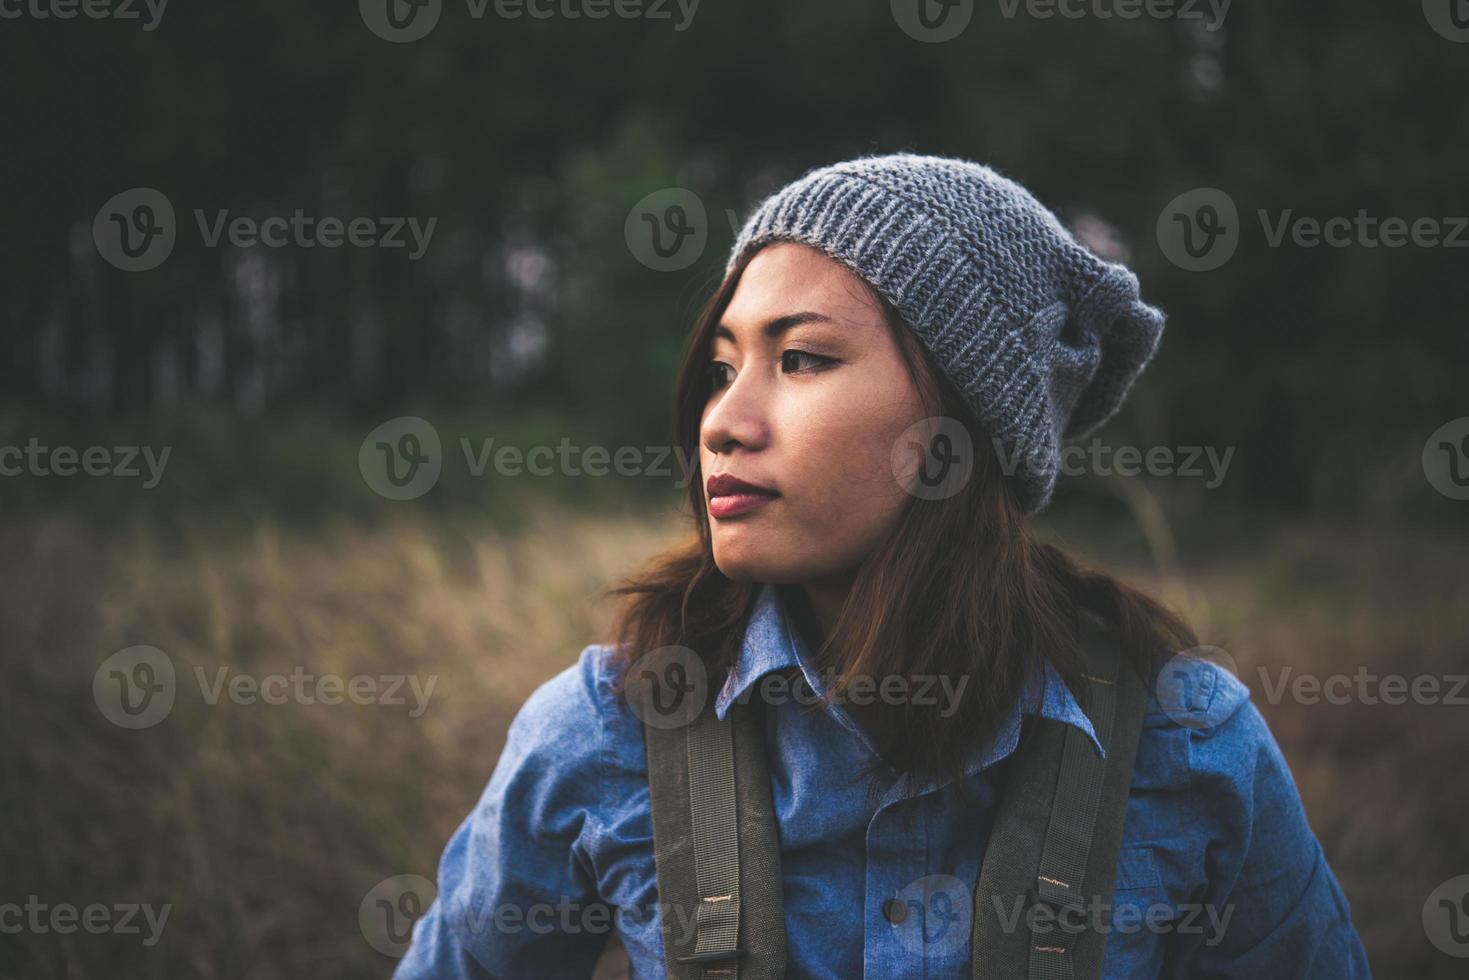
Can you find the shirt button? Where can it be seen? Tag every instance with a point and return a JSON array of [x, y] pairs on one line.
[[895, 911]]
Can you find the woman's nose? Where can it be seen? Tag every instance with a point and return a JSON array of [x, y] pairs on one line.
[[738, 416]]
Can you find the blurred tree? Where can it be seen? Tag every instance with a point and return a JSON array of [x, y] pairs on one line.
[[529, 141]]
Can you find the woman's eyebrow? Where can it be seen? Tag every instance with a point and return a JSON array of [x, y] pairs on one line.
[[774, 328]]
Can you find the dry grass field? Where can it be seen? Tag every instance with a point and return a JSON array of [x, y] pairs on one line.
[[263, 826]]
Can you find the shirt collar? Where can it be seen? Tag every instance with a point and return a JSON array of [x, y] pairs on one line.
[[771, 644]]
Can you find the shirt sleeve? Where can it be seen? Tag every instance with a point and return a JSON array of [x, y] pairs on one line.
[[517, 895], [1286, 913]]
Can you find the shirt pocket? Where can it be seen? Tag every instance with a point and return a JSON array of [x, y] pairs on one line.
[[1139, 918], [1137, 871]]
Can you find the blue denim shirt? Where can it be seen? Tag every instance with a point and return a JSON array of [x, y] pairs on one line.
[[1219, 874]]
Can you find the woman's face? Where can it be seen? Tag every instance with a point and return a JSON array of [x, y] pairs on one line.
[[810, 395]]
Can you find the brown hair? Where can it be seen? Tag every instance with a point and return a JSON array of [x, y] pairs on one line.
[[958, 587]]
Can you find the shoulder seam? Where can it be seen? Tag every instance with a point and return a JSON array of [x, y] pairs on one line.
[[602, 743]]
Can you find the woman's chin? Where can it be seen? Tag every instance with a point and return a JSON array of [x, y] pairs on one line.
[[753, 564]]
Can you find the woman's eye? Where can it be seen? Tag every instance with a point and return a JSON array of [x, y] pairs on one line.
[[799, 360], [717, 377]]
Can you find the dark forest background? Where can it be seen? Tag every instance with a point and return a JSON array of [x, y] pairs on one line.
[[529, 141]]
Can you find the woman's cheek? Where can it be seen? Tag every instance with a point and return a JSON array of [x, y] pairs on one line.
[[850, 499]]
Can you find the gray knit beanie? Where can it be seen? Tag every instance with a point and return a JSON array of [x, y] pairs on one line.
[[1042, 337]]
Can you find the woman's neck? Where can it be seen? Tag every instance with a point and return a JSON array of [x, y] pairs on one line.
[[816, 605]]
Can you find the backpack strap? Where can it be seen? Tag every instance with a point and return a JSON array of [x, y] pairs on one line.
[[716, 847], [1058, 830]]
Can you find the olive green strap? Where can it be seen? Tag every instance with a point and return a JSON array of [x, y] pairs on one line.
[[1059, 783], [716, 847]]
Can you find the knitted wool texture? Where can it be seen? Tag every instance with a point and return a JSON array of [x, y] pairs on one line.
[[1043, 338]]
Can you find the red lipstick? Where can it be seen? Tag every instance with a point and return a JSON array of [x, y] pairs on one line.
[[729, 496]]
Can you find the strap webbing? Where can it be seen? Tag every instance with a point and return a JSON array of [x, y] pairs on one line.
[[718, 854], [715, 835], [716, 845], [1058, 782], [1062, 874]]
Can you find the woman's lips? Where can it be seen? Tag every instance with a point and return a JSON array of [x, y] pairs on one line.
[[730, 496], [733, 504]]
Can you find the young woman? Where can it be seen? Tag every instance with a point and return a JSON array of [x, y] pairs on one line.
[[876, 394]]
